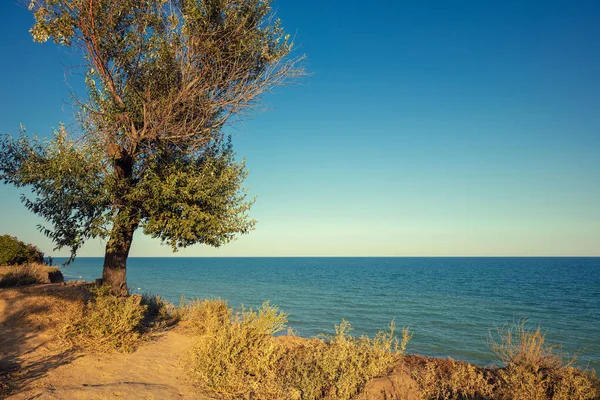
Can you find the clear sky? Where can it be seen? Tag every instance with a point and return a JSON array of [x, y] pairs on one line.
[[427, 128]]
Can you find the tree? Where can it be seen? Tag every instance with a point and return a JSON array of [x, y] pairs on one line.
[[15, 252], [163, 77]]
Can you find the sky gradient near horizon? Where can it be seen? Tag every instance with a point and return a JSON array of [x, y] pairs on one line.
[[448, 128]]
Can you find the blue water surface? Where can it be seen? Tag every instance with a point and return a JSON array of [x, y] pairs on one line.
[[451, 304]]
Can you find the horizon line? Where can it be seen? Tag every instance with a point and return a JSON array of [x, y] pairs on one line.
[[354, 256]]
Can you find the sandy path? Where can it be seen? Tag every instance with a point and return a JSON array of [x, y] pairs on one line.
[[41, 371], [154, 371]]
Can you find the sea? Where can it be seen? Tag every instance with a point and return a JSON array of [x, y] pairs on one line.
[[453, 305]]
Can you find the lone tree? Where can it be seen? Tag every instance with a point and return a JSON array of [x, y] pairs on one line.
[[148, 150]]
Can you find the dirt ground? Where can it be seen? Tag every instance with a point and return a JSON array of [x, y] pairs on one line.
[[37, 368]]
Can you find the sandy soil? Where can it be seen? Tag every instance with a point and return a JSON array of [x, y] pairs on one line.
[[40, 369]]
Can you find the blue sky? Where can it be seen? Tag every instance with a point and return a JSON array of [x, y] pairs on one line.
[[427, 128]]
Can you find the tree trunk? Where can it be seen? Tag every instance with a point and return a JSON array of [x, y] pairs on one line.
[[117, 251], [121, 236]]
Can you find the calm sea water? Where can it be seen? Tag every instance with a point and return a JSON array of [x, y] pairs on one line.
[[450, 304]]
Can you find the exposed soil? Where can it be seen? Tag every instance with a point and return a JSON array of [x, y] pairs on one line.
[[32, 366]]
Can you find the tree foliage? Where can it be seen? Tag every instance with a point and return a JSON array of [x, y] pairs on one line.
[[15, 252], [163, 77]]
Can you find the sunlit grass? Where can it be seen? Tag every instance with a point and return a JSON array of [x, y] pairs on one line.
[[24, 275], [237, 356], [532, 370]]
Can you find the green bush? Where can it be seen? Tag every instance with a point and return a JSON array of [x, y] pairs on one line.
[[15, 252]]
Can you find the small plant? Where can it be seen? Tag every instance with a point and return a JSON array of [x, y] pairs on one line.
[[338, 366], [450, 379], [238, 359], [157, 308], [571, 383], [202, 316], [518, 345], [106, 321], [535, 370]]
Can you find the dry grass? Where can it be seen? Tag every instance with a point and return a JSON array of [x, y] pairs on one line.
[[106, 322], [536, 370], [533, 370], [572, 383], [450, 379], [518, 345], [24, 275], [338, 366], [202, 316], [46, 309], [237, 356]]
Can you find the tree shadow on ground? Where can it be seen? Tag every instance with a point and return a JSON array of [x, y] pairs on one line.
[[28, 347]]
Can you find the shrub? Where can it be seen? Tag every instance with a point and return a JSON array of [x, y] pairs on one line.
[[523, 382], [15, 252], [572, 383], [338, 366], [202, 316], [105, 322], [536, 370], [533, 370], [237, 356], [517, 345], [450, 379], [158, 311], [238, 359]]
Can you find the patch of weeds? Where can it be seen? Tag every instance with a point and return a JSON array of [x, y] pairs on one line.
[[106, 321], [23, 275], [536, 370], [338, 366], [451, 379], [203, 316], [237, 357], [159, 312]]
